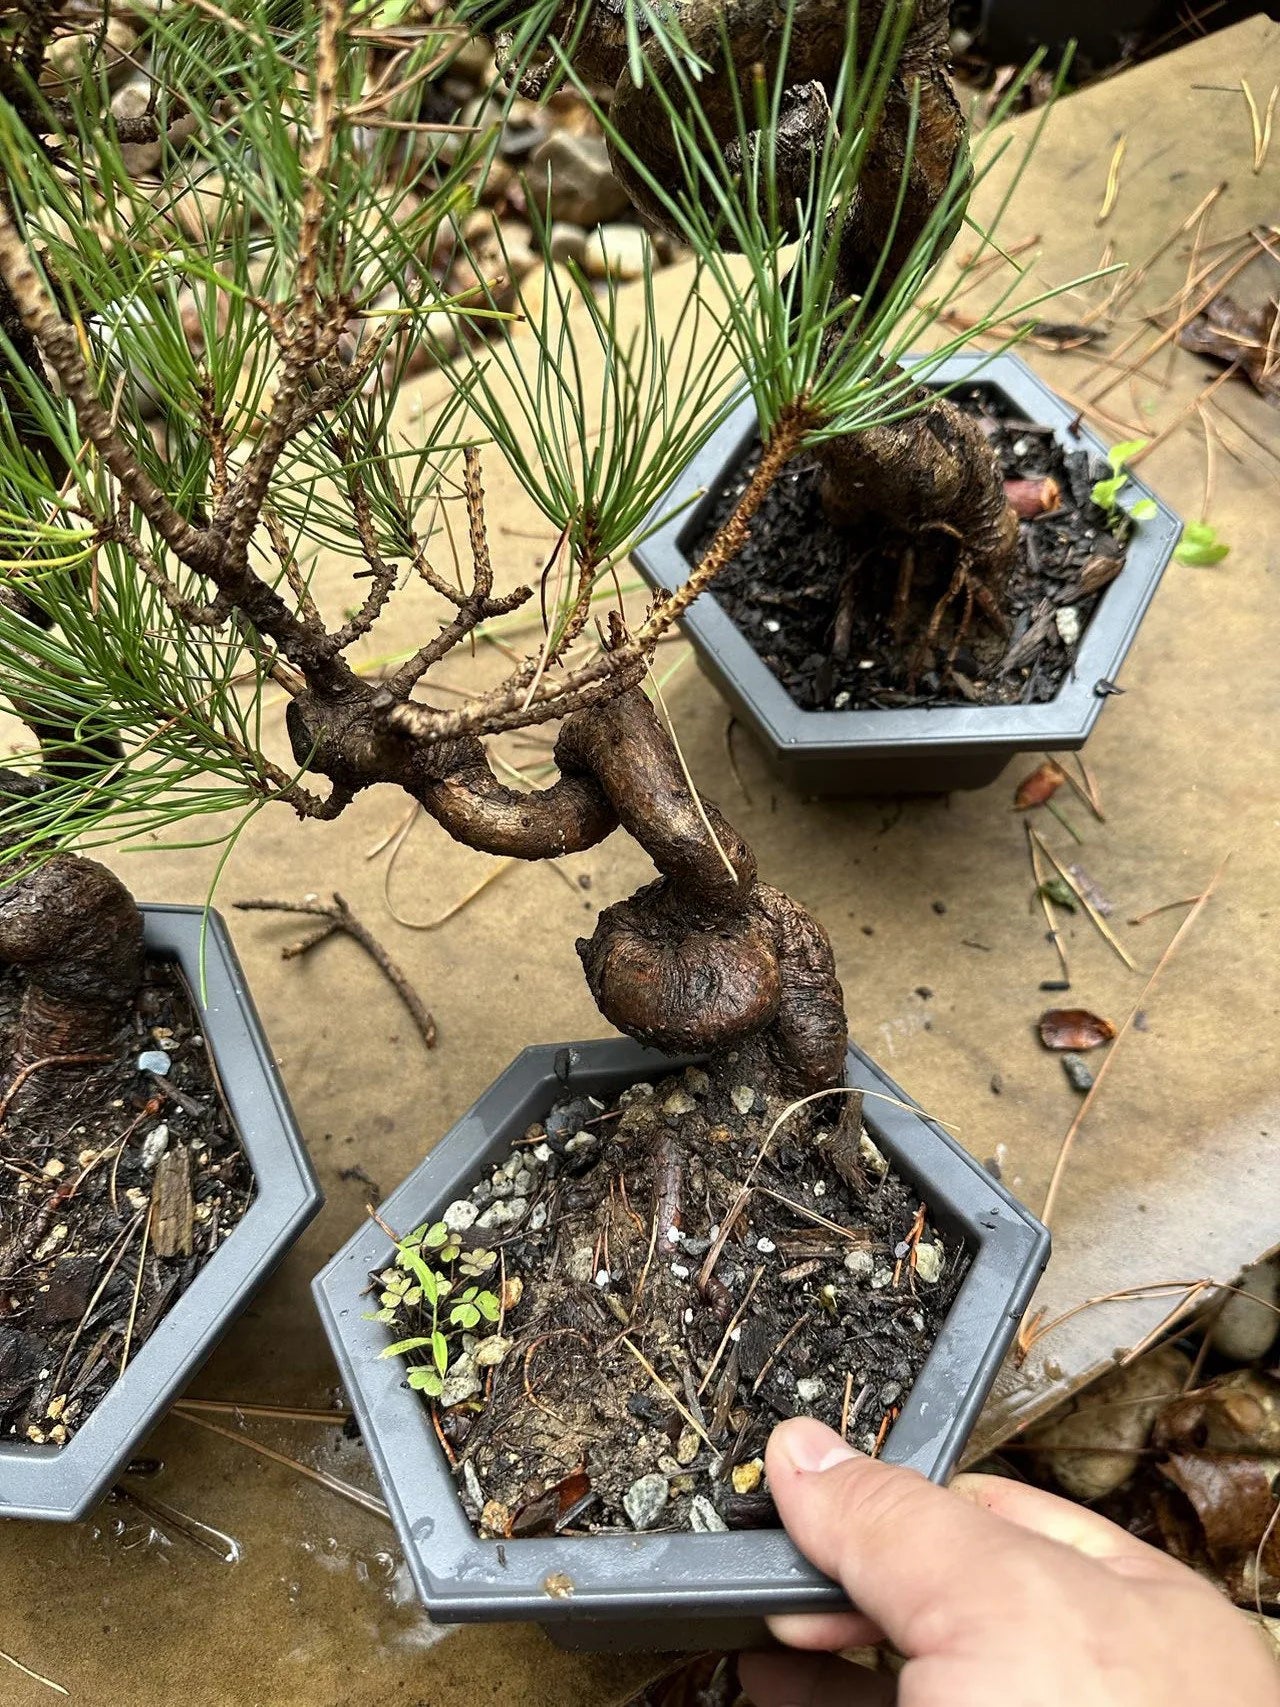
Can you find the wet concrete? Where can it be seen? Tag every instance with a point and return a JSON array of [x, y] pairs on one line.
[[1174, 1176]]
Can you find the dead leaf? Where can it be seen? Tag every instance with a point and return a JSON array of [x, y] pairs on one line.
[[1074, 1028], [543, 1514], [1244, 338], [1234, 1503], [1099, 572], [1043, 783], [1239, 1414]]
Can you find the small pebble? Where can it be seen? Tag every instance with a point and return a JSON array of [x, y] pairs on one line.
[[881, 1276], [641, 1091], [53, 1167], [809, 1389], [644, 1500], [1067, 619], [747, 1477], [697, 1082], [688, 1317], [471, 1486], [616, 252], [860, 1264], [668, 1465], [891, 1392], [582, 1263], [1247, 1325], [871, 1155], [704, 1519], [504, 1213], [766, 1247], [820, 1189], [490, 1352], [154, 1061], [603, 1277], [687, 1447], [154, 1145], [677, 1103], [743, 1098], [460, 1215], [929, 1264], [538, 1217], [1079, 1072], [680, 1271], [579, 1142]]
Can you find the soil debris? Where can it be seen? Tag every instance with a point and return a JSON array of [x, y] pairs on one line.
[[1075, 1029], [681, 1294], [110, 1211]]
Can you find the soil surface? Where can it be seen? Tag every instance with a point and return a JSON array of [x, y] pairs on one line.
[[786, 588], [117, 1184], [634, 1397]]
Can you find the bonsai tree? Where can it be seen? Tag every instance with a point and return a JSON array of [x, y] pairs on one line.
[[207, 311]]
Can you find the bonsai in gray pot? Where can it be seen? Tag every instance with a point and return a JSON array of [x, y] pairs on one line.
[[166, 587]]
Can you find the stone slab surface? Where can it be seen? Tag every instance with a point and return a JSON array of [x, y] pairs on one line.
[[1174, 1176]]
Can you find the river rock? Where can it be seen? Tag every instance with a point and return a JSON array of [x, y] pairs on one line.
[[617, 252], [1112, 1419], [1248, 1324], [570, 178]]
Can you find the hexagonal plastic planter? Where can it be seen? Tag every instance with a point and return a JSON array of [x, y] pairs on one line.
[[65, 1483], [930, 749], [657, 1591]]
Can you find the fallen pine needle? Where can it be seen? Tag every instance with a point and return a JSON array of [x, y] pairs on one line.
[[279, 1413], [1113, 181], [658, 1382], [335, 1485], [1095, 916], [35, 1676], [1064, 1150]]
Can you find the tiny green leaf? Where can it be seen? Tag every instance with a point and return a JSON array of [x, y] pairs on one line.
[[426, 1381], [464, 1316], [435, 1236], [440, 1351], [1124, 452], [1144, 510], [418, 1342], [488, 1306]]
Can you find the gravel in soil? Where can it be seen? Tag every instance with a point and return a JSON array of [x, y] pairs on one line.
[[117, 1184], [785, 588], [630, 1395]]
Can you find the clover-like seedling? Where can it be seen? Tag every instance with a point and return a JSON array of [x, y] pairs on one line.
[[1106, 493], [418, 1295]]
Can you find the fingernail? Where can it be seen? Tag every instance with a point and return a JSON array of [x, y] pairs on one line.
[[812, 1447]]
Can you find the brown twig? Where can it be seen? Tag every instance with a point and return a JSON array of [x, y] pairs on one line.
[[339, 917], [778, 1349]]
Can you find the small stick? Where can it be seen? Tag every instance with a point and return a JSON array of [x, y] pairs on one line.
[[844, 1409], [1095, 916], [21, 1077], [341, 918], [728, 1332], [886, 1423], [346, 1490], [1064, 1150], [913, 1239], [778, 1349]]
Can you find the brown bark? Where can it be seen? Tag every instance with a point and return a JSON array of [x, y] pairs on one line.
[[73, 929]]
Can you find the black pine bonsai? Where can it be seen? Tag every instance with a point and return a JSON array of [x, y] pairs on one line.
[[206, 314]]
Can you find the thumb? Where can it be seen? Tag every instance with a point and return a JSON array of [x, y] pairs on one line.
[[915, 1558]]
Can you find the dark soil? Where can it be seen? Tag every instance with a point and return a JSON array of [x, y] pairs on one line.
[[88, 1262], [785, 588], [623, 1368]]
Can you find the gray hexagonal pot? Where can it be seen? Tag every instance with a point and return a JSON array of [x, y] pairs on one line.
[[657, 1591], [931, 749], [65, 1483]]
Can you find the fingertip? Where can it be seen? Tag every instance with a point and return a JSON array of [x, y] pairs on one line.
[[825, 1632], [805, 1446]]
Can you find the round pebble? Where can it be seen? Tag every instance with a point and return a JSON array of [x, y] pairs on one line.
[[644, 1500]]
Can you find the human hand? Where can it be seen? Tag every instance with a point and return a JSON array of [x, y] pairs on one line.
[[995, 1592]]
